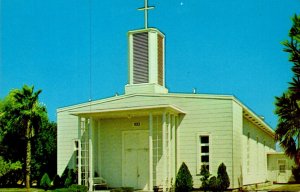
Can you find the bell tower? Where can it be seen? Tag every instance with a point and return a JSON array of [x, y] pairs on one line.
[[146, 59]]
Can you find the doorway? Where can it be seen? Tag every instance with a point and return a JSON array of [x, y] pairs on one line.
[[135, 166]]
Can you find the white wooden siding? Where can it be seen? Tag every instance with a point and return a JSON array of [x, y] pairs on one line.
[[219, 116], [257, 154], [67, 132], [111, 147], [237, 147]]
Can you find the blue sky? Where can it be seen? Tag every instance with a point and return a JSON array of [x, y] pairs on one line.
[[217, 46]]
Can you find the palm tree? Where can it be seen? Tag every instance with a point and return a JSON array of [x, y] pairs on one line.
[[27, 114], [288, 127], [288, 105]]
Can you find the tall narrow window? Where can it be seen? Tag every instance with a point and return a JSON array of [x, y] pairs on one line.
[[204, 151], [76, 152]]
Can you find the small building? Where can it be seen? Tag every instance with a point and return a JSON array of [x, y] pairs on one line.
[[280, 168], [141, 138]]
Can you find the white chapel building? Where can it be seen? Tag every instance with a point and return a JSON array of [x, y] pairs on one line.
[[141, 138]]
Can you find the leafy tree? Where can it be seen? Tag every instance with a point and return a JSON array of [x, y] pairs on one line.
[[9, 172], [44, 147], [288, 105], [296, 173], [223, 179], [22, 117], [184, 179], [6, 167]]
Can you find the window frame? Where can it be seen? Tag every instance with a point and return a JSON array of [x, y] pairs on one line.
[[199, 150]]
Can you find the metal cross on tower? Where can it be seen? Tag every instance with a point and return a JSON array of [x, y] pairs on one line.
[[145, 9]]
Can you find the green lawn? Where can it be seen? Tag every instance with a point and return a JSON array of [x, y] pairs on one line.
[[20, 190]]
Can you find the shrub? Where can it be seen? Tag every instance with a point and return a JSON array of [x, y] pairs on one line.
[[57, 183], [78, 188], [213, 183], [62, 190], [184, 179], [123, 189], [223, 178], [73, 188], [10, 172], [45, 182], [204, 177], [71, 178], [296, 173]]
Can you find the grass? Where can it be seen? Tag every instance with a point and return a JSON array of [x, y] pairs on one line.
[[20, 190]]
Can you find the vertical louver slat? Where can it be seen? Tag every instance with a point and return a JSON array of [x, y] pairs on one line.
[[140, 58], [160, 68]]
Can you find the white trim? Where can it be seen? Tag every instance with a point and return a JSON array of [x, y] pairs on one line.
[[79, 151], [198, 153], [171, 108], [169, 152], [99, 148], [164, 155], [173, 168], [152, 57], [150, 152], [130, 59], [91, 166]]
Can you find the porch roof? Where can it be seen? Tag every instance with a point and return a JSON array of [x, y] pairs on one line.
[[129, 112]]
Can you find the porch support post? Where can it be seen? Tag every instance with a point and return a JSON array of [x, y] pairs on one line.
[[177, 143], [164, 151], [79, 151], [169, 152], [91, 167], [173, 143], [150, 152]]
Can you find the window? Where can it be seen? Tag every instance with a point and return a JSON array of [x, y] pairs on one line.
[[282, 166], [76, 152], [204, 151]]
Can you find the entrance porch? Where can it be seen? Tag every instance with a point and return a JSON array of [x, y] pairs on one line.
[[129, 147]]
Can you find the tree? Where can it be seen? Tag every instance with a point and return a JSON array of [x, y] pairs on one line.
[[288, 105], [223, 179], [24, 117], [44, 150], [6, 167], [184, 179]]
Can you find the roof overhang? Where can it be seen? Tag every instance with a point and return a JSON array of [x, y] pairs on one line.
[[258, 121], [129, 112]]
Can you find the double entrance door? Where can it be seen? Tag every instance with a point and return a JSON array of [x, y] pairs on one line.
[[135, 159]]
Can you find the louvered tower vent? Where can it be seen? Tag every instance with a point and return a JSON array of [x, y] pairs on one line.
[[146, 62]]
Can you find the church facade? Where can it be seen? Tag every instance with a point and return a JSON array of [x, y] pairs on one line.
[[141, 138]]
